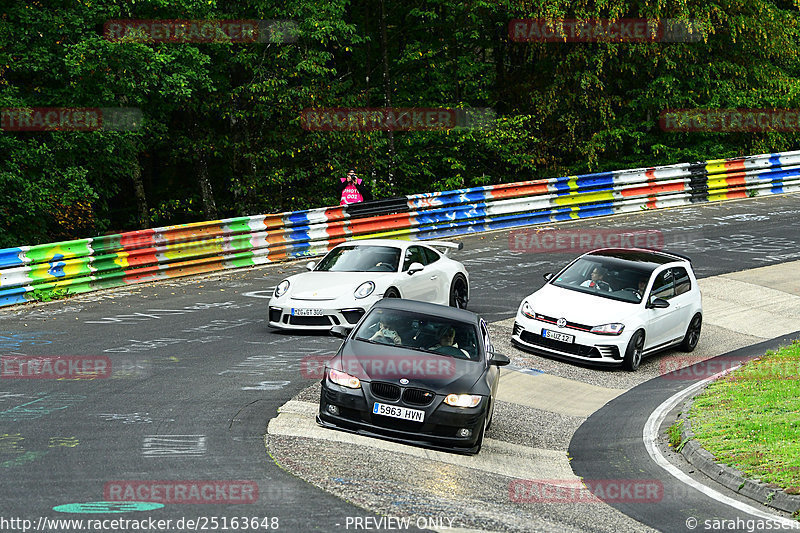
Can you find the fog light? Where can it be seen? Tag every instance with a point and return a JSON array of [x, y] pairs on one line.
[[332, 409], [464, 432]]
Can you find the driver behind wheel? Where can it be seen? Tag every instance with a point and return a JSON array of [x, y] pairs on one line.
[[596, 281], [387, 331]]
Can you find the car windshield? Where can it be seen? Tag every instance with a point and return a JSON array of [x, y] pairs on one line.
[[361, 259], [425, 333], [607, 277]]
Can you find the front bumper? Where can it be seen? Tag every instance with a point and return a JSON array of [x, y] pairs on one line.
[[587, 347], [439, 430], [338, 312]]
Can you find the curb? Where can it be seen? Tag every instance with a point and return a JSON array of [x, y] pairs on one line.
[[765, 493]]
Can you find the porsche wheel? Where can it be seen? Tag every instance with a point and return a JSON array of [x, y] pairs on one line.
[[391, 293], [459, 292]]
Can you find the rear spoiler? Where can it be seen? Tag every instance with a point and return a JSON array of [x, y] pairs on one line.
[[446, 245], [673, 254]]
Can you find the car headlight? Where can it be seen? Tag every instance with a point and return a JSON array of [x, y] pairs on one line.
[[281, 289], [614, 328], [527, 310], [344, 379], [364, 290], [462, 400]]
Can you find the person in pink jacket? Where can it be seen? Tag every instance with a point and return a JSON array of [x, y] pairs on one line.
[[352, 189]]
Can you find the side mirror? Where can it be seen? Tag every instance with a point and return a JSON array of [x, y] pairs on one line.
[[499, 359], [311, 265], [414, 268], [658, 303], [341, 331], [548, 276]]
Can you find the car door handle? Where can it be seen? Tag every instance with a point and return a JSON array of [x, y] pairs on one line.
[[434, 277]]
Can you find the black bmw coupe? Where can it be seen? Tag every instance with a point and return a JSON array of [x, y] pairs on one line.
[[413, 372]]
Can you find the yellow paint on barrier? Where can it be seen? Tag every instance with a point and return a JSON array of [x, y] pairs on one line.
[[715, 166], [401, 235], [584, 198]]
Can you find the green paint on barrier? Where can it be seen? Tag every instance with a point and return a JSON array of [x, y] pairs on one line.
[[107, 507]]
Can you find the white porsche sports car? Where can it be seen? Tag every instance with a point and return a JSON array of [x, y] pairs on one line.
[[355, 274], [613, 306]]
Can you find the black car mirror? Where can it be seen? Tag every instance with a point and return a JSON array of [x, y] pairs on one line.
[[548, 276], [658, 303], [341, 331], [414, 268], [499, 359]]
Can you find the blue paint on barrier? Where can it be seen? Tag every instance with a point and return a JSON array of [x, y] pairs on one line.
[[10, 257], [13, 296], [57, 266]]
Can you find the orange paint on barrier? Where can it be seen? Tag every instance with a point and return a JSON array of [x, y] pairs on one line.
[[145, 256], [735, 165], [137, 239], [186, 234], [652, 189], [526, 189], [380, 224]]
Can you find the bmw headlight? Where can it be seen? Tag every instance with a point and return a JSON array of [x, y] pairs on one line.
[[462, 400], [527, 310], [614, 328], [344, 379], [364, 290], [281, 289]]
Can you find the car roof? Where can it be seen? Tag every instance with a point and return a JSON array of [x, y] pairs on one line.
[[642, 256], [443, 311]]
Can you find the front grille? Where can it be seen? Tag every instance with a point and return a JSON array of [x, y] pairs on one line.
[[353, 315], [609, 351], [564, 347], [309, 320], [387, 391], [418, 397], [572, 325]]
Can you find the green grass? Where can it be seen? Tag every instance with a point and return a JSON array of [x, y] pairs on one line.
[[750, 419]]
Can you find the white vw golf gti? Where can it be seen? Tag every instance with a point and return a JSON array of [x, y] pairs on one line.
[[613, 306], [356, 274]]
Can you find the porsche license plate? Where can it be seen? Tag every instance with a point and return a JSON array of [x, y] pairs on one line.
[[306, 312], [404, 413], [556, 336]]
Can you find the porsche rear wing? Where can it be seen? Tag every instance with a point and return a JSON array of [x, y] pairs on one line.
[[445, 245]]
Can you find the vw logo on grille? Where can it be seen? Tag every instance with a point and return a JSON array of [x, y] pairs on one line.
[[561, 322], [403, 381]]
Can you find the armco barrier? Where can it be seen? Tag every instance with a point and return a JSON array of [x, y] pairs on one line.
[[147, 255]]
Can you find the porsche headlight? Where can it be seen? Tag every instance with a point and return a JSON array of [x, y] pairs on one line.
[[364, 290], [527, 310], [281, 289], [462, 400], [614, 328], [344, 379]]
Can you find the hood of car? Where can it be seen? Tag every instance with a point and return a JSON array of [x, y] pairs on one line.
[[391, 364], [580, 307], [332, 285]]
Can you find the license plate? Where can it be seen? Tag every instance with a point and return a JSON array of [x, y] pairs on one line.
[[556, 336], [415, 415], [307, 312]]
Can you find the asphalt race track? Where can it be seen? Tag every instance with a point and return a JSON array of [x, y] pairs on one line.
[[196, 375]]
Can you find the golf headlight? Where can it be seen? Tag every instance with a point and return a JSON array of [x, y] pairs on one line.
[[609, 329], [527, 310], [462, 400], [344, 379], [364, 290], [281, 289]]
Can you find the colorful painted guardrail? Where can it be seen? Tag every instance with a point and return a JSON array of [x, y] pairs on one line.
[[37, 272]]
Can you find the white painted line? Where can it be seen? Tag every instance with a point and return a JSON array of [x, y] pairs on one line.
[[260, 294], [650, 434]]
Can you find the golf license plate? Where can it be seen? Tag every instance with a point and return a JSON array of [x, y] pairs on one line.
[[404, 413], [306, 312], [556, 336]]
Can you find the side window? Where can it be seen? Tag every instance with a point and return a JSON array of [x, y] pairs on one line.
[[413, 255], [431, 256], [682, 282], [487, 343], [663, 286]]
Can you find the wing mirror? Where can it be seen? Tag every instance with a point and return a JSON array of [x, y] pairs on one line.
[[414, 268], [311, 265], [548, 276], [499, 359], [658, 303], [341, 331]]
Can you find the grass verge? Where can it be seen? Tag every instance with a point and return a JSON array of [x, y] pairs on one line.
[[750, 419]]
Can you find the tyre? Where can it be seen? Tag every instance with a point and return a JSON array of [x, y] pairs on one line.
[[633, 353], [459, 292], [391, 293], [478, 443], [692, 333]]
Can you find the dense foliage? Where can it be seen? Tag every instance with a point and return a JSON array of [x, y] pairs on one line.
[[221, 134]]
